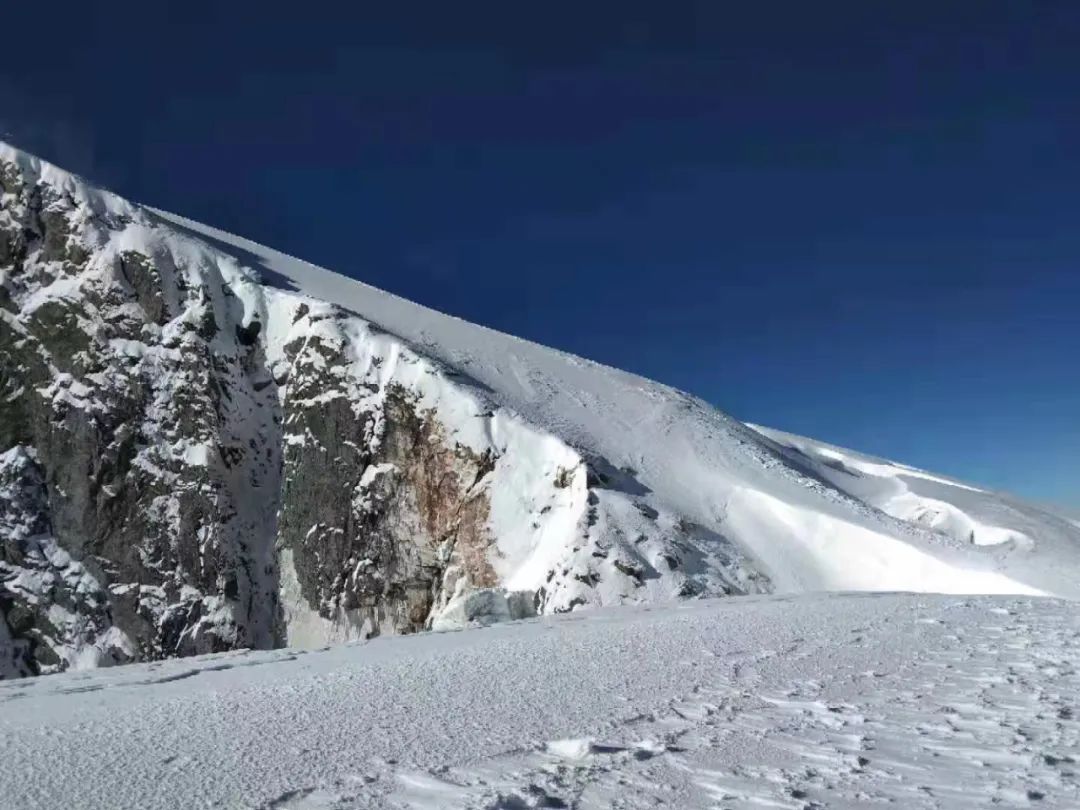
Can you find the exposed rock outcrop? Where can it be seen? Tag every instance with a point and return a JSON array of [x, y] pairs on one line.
[[403, 510], [122, 396]]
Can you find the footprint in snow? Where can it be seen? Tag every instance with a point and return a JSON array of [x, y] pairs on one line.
[[584, 748]]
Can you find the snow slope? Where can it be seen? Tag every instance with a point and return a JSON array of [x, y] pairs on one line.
[[839, 701], [803, 527], [1014, 533]]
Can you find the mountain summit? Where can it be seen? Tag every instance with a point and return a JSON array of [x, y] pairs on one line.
[[207, 445]]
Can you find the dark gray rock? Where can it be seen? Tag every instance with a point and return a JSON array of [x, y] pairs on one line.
[[141, 448]]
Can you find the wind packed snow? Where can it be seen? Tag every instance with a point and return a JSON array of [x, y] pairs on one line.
[[837, 701]]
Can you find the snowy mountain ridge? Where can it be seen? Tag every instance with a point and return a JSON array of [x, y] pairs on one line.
[[209, 445]]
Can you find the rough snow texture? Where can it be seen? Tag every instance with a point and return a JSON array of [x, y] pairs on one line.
[[915, 702], [208, 445]]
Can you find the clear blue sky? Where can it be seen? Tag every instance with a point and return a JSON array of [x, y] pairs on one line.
[[852, 220]]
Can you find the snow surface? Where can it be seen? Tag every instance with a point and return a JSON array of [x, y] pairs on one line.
[[839, 701]]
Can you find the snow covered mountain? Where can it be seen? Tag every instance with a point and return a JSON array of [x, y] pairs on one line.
[[207, 445]]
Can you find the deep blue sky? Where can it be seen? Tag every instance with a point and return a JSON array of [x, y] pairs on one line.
[[856, 221]]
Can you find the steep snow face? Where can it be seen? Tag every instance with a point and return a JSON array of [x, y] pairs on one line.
[[235, 448]]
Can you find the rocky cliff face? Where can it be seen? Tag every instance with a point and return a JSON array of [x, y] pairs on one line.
[[138, 427], [381, 513], [193, 461]]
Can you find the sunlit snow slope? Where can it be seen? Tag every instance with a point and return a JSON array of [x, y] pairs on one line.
[[1020, 535], [805, 520]]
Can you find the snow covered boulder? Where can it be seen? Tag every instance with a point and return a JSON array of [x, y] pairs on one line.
[[483, 607]]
